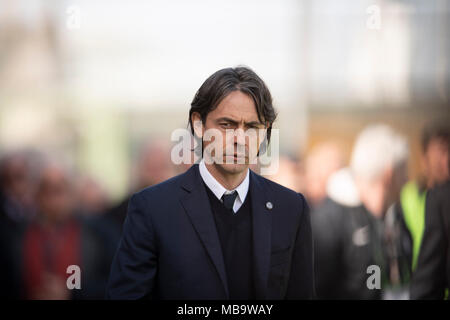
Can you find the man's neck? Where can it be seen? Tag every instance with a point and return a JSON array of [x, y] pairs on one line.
[[227, 180]]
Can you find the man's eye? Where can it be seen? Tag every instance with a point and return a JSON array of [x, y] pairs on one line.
[[225, 124]]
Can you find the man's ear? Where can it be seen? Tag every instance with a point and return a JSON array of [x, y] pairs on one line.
[[197, 124]]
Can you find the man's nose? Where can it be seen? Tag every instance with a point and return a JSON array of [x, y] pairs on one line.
[[239, 136]]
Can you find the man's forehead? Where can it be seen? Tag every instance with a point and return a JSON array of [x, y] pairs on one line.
[[236, 115], [242, 119]]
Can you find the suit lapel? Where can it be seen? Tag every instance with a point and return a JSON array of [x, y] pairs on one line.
[[196, 203], [262, 226]]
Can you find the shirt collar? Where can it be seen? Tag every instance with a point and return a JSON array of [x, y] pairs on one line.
[[218, 189]]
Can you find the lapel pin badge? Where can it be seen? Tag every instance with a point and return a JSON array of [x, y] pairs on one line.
[[269, 205]]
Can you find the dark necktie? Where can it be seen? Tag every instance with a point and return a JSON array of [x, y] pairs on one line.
[[228, 200]]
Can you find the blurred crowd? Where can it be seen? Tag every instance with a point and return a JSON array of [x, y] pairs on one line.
[[52, 217], [365, 212], [370, 213]]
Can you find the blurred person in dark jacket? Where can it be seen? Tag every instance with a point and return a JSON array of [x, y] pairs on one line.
[[348, 228], [15, 210], [58, 238], [431, 279]]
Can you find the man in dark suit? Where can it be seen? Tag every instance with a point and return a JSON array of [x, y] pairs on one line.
[[218, 231], [432, 275]]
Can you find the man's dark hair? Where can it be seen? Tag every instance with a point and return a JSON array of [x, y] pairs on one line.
[[222, 83], [435, 130]]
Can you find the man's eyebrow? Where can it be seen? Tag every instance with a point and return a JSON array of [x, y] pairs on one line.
[[253, 123], [234, 121], [226, 119]]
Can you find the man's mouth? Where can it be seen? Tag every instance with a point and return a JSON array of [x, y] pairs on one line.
[[237, 157]]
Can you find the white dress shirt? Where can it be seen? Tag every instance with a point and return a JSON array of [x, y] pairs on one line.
[[218, 190]]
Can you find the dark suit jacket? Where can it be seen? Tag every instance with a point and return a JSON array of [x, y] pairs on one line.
[[432, 274], [170, 248]]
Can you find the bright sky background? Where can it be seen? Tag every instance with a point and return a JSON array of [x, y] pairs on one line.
[[159, 52]]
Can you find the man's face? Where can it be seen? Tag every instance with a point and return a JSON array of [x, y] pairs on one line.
[[235, 122]]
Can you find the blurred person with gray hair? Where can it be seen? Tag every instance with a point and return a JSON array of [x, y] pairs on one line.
[[350, 229]]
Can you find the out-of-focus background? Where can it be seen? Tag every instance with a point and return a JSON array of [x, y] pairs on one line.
[[98, 86]]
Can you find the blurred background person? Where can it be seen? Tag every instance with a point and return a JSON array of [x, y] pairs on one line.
[[16, 209], [431, 278], [348, 229], [154, 165], [323, 160], [58, 238], [92, 198], [287, 174], [435, 143], [16, 186]]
